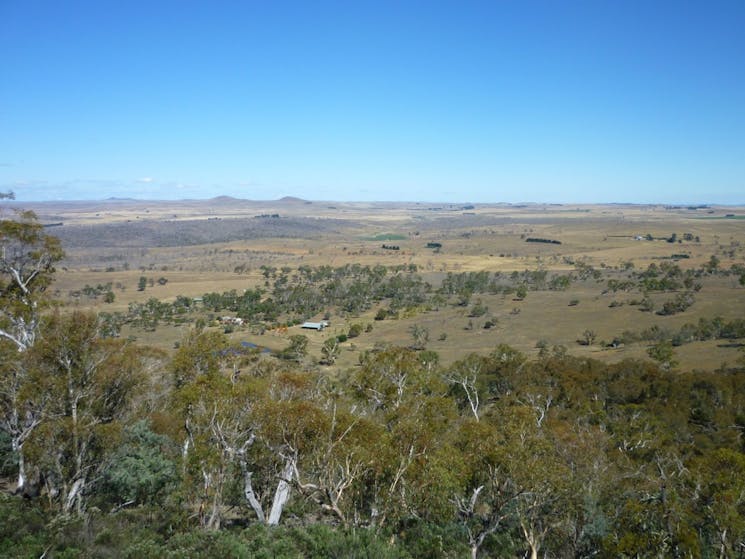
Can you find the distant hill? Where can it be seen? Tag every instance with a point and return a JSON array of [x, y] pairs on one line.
[[225, 199], [293, 200]]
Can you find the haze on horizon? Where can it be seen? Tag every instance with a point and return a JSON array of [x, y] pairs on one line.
[[575, 102]]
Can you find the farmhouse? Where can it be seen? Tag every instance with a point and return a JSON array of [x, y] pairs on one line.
[[315, 325]]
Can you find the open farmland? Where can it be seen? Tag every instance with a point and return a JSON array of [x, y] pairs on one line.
[[190, 248]]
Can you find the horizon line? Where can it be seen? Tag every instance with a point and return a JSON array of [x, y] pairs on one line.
[[291, 199]]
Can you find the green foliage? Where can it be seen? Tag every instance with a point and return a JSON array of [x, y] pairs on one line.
[[296, 349], [22, 528], [198, 354], [142, 470], [521, 292], [663, 353], [8, 458], [478, 309], [678, 304], [560, 282], [420, 334], [330, 350], [466, 282], [89, 384], [426, 540], [205, 545], [319, 542], [568, 455], [290, 299], [713, 264], [27, 259], [312, 542], [539, 240]]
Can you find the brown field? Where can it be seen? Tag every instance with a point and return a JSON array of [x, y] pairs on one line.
[[197, 246]]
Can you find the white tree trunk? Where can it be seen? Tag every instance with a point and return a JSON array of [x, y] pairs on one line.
[[73, 496], [16, 446], [214, 521], [21, 468], [282, 494], [533, 540], [248, 492], [18, 420]]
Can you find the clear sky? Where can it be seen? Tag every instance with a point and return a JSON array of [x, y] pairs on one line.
[[493, 101]]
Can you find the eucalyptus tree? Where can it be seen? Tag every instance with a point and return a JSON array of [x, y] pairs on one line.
[[330, 350], [257, 427], [27, 259], [91, 384], [22, 406], [415, 464]]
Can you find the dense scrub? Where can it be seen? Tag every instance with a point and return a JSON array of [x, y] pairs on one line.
[[493, 456]]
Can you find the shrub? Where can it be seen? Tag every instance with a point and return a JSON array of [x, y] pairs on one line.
[[479, 309], [680, 303], [588, 338], [141, 469]]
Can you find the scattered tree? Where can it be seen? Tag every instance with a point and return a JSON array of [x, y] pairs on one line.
[[420, 335], [297, 348], [521, 292], [662, 352], [588, 337], [330, 351]]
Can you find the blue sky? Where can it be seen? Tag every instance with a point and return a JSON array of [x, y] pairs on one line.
[[592, 101]]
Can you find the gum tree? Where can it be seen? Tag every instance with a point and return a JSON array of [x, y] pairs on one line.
[[92, 383], [27, 259]]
